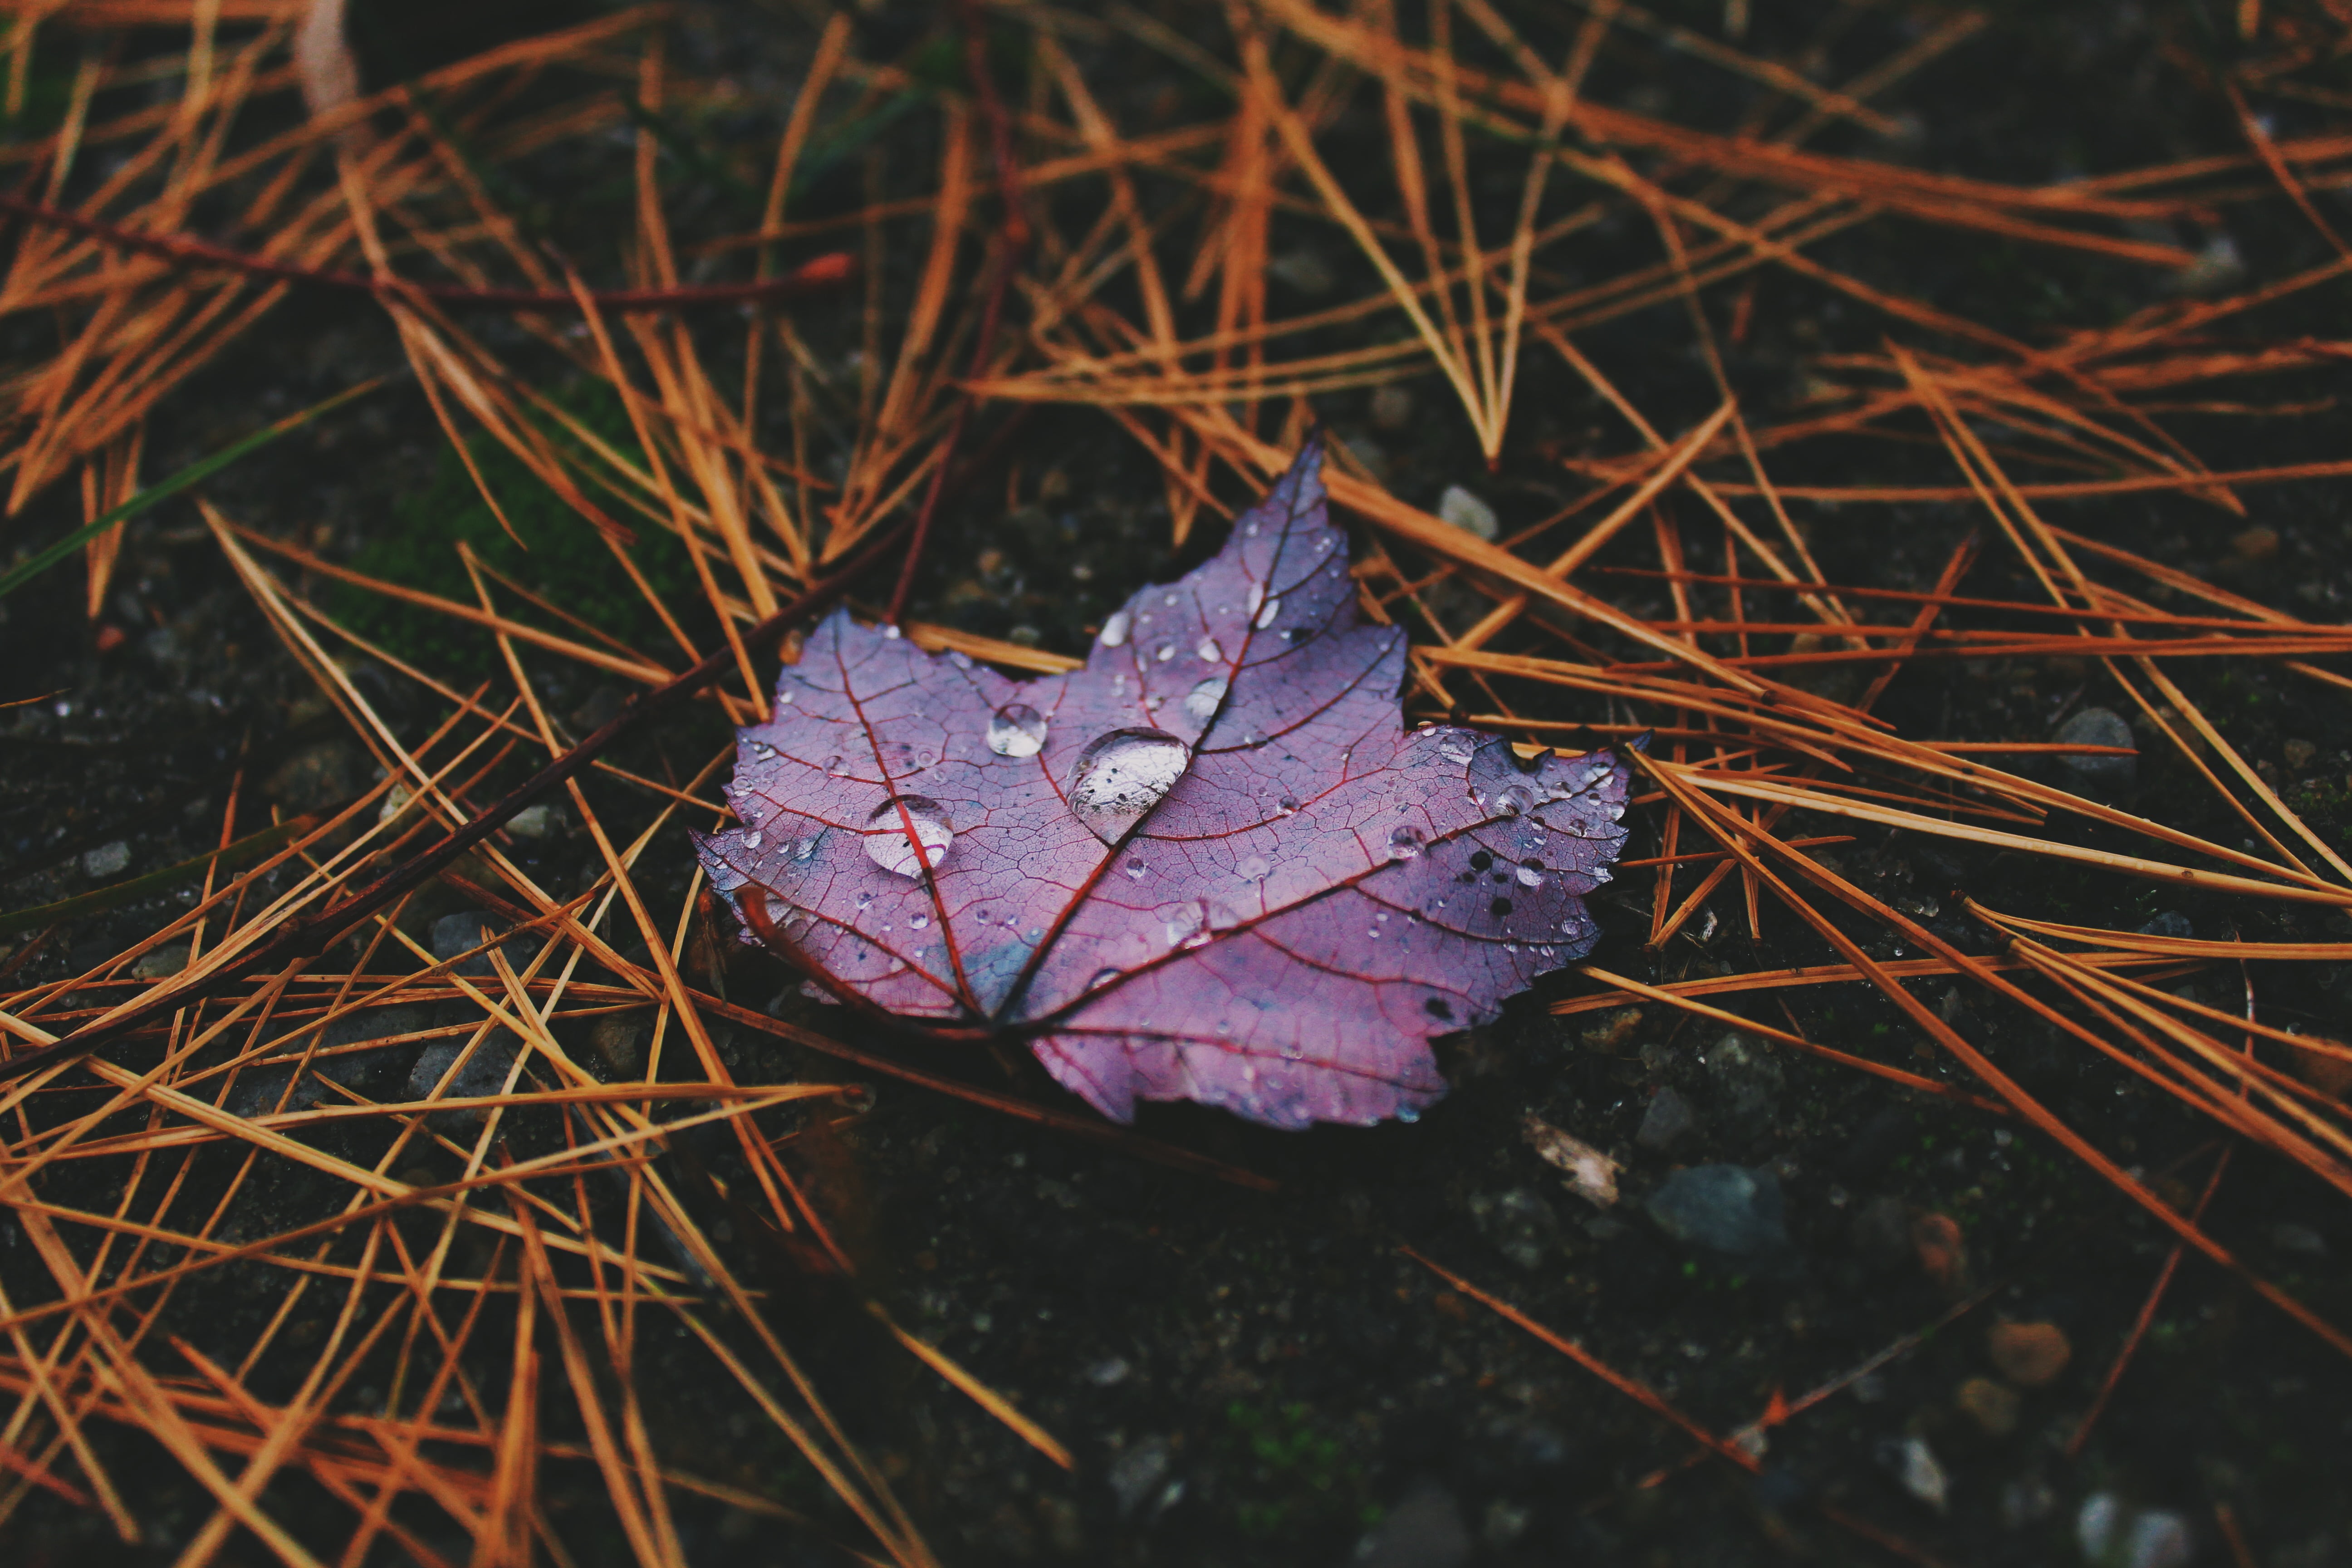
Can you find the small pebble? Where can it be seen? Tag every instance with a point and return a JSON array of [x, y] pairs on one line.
[[2030, 1355], [1391, 409], [169, 959], [2114, 1534], [1667, 1121], [1425, 1530], [2289, 1237], [1730, 1209], [1922, 1474], [1942, 1250], [2172, 924], [2099, 727], [1991, 1405], [534, 823], [1303, 270], [107, 861], [2257, 543], [1468, 513]]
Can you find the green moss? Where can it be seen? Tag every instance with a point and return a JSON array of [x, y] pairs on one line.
[[560, 556], [1299, 1475]]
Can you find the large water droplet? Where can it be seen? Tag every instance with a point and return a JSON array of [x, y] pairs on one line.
[[1257, 596], [1202, 701], [1456, 747], [1135, 867], [1164, 652], [753, 839], [888, 841], [1252, 869], [1404, 843], [1017, 730], [1114, 630], [1266, 612], [763, 751], [1209, 652], [1512, 799], [1531, 874], [917, 921], [1186, 923], [1102, 977], [1121, 776]]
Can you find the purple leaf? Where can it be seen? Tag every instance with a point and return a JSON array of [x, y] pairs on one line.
[[1210, 864]]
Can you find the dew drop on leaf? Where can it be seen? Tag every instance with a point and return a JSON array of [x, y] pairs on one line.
[[1114, 630], [752, 840], [917, 921], [1266, 612], [1257, 596], [1202, 701], [763, 751], [888, 841], [1404, 843], [1164, 652], [1135, 867], [1531, 874], [1209, 652], [1252, 869], [1017, 730], [1457, 748], [1121, 776]]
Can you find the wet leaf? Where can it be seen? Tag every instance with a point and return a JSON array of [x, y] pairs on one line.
[[1213, 864]]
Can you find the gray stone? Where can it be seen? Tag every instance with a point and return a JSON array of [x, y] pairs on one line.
[[1391, 409], [169, 959], [468, 929], [1468, 513], [2100, 727], [2172, 924], [1425, 1530], [484, 1072], [1667, 1121], [1520, 1224], [1305, 270], [317, 776], [107, 860], [1731, 1209], [1136, 1475], [1747, 1080], [2114, 1534], [535, 824]]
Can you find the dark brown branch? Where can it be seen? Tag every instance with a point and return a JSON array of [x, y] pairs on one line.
[[819, 275]]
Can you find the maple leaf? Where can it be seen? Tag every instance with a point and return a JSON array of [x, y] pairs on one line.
[[1213, 864]]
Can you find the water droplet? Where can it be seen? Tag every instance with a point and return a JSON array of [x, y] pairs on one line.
[[1017, 730], [1164, 652], [1404, 843], [1102, 977], [1187, 924], [1121, 776], [887, 843], [892, 632], [803, 847], [1202, 701], [1408, 1114], [925, 758], [1287, 805], [1251, 531], [1266, 613], [1508, 800], [1169, 600], [836, 765], [1209, 652], [1135, 867], [1531, 873], [763, 751], [1456, 747], [1114, 630], [1257, 596], [917, 921], [960, 658], [1252, 869], [787, 696], [752, 840]]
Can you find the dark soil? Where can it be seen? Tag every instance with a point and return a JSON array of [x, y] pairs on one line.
[[1254, 1379]]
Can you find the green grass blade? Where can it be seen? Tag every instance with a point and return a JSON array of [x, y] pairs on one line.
[[194, 473]]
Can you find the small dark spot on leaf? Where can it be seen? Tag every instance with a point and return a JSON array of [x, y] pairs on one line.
[[1480, 860], [1439, 1007], [1499, 908]]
